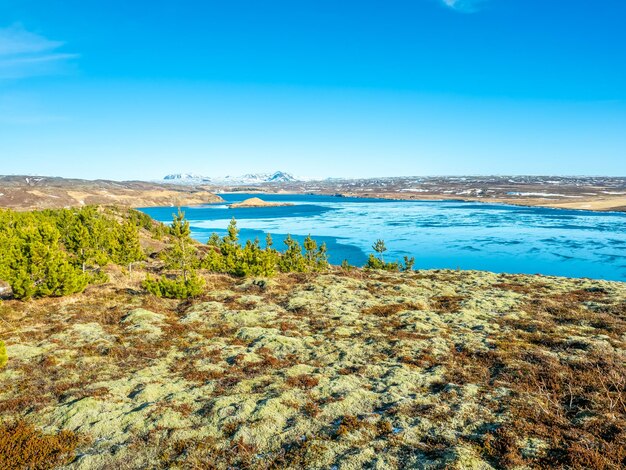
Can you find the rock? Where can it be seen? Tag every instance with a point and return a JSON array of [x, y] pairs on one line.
[[5, 290], [258, 202]]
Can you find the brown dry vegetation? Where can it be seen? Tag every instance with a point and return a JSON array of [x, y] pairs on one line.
[[23, 446], [432, 369], [30, 193]]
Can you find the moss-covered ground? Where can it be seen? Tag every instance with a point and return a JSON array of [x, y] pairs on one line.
[[346, 370]]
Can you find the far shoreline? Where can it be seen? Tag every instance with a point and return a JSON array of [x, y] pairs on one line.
[[535, 203]]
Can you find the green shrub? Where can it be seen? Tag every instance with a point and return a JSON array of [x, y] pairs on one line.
[[226, 255], [379, 263], [4, 357], [36, 264], [292, 260], [58, 252], [408, 263], [376, 263], [380, 247], [143, 220], [177, 288], [182, 255]]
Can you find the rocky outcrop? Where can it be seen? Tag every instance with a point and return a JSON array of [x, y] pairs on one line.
[[258, 202]]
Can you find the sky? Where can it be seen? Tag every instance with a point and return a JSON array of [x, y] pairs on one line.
[[319, 88]]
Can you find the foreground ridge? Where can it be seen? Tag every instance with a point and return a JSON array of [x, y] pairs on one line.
[[434, 369]]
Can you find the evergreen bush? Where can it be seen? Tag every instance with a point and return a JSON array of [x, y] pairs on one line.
[[177, 288], [59, 252]]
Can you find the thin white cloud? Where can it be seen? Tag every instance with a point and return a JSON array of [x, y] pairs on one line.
[[25, 54], [16, 40], [466, 6]]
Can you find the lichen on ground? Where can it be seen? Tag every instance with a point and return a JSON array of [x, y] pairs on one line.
[[431, 369]]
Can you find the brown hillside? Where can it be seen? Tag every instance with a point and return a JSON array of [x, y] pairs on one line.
[[30, 192]]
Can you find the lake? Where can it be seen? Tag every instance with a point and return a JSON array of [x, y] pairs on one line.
[[439, 234]]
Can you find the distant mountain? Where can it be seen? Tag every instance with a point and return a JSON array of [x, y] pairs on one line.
[[182, 176], [185, 178], [253, 178]]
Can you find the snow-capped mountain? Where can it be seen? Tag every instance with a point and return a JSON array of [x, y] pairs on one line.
[[253, 178], [183, 178]]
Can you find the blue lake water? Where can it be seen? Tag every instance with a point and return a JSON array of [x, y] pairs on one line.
[[439, 234]]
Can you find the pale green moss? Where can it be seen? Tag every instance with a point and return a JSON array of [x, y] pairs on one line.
[[144, 322]]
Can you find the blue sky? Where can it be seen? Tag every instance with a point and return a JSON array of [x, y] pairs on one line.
[[136, 90]]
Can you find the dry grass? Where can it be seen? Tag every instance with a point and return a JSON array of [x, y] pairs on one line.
[[22, 446], [446, 303], [302, 381], [566, 392], [386, 310]]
